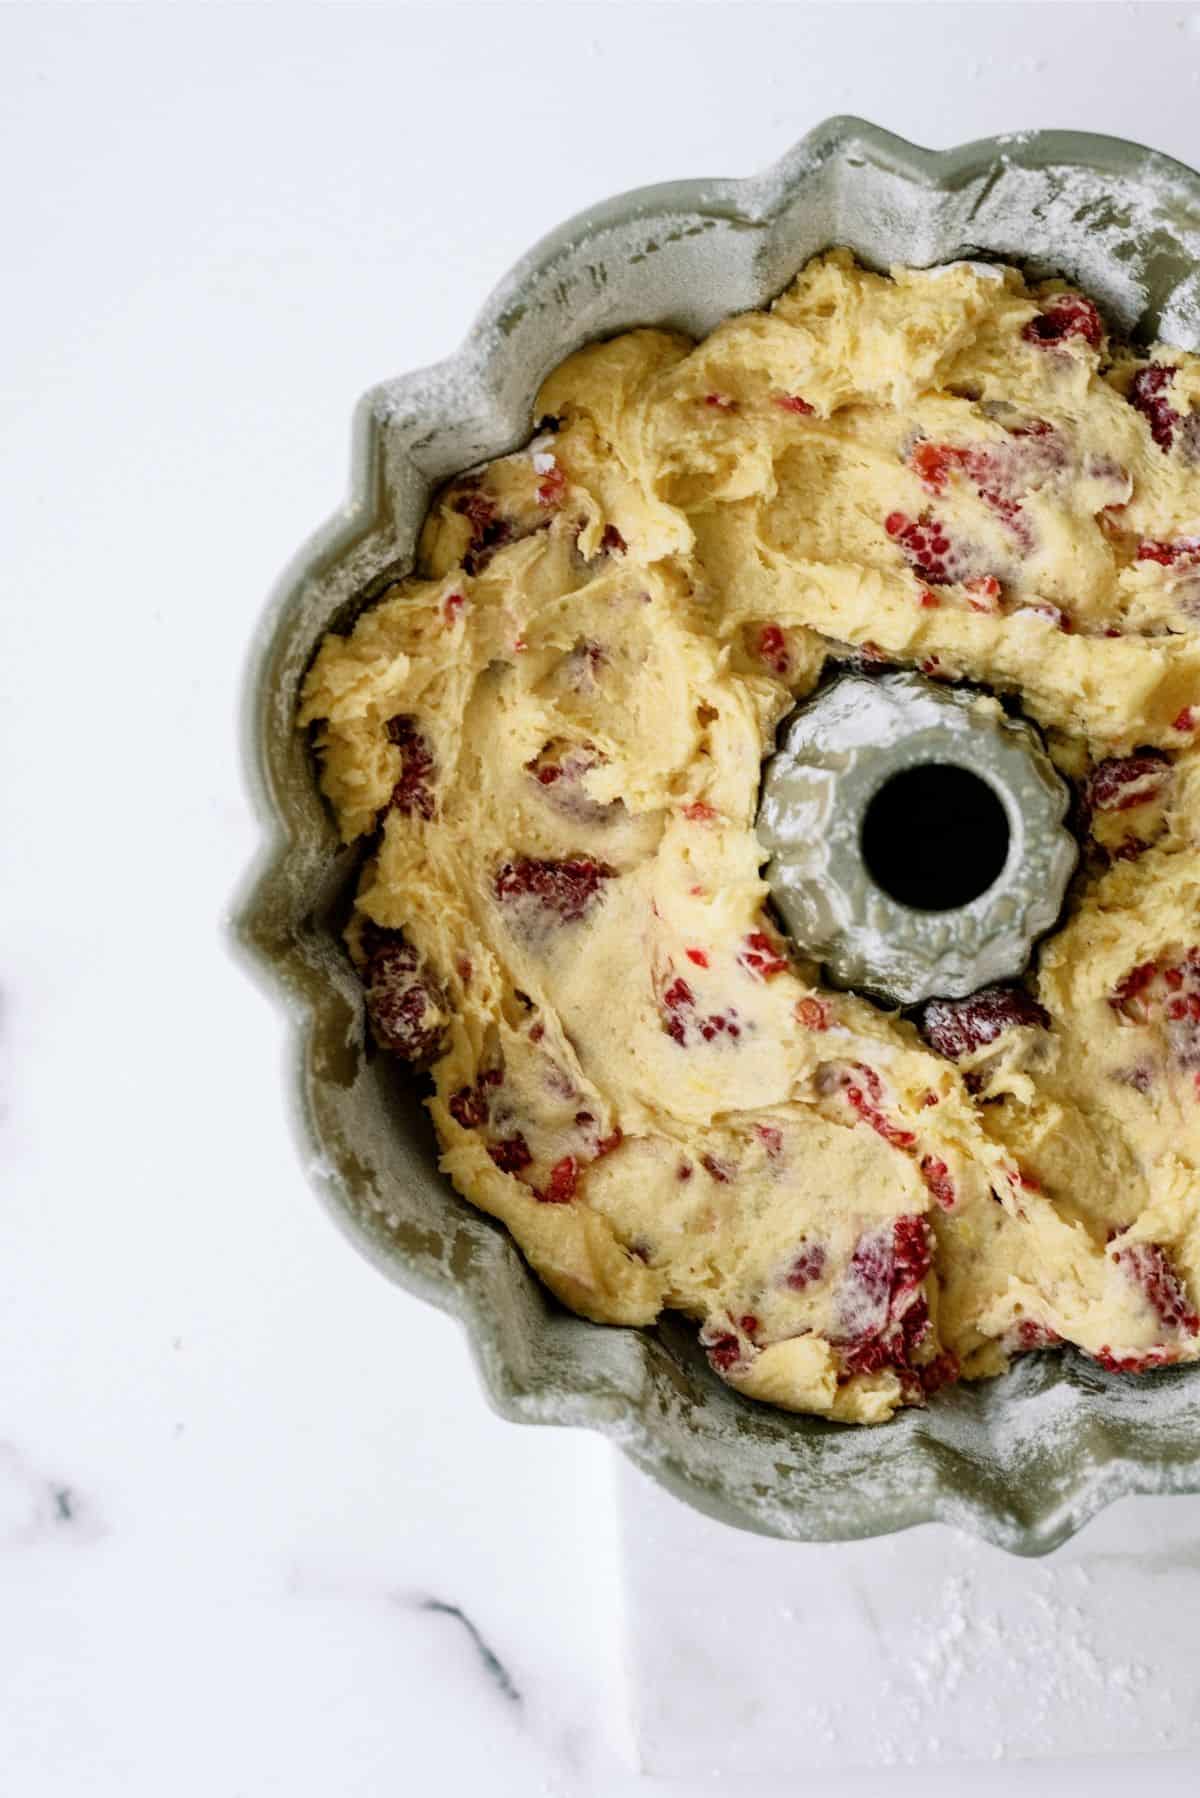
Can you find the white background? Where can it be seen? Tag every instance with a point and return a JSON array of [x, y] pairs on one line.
[[234, 1462]]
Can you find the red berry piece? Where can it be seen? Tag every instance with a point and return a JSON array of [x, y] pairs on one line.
[[564, 1179], [1122, 782], [679, 1003], [718, 1169], [1187, 720], [683, 1023], [1148, 394], [983, 593], [791, 402], [1128, 996], [1029, 1335], [957, 1027], [863, 1300], [411, 794], [773, 649], [453, 606], [814, 1014], [720, 402], [564, 890], [468, 1107], [936, 1176], [511, 1155], [928, 549], [489, 532], [864, 1094], [552, 487], [612, 542], [760, 956], [405, 1007], [471, 1106], [942, 1371], [1063, 316], [913, 1256], [1134, 1363], [724, 1351], [699, 812], [807, 1267], [1183, 553], [771, 1137], [698, 957], [1148, 1266]]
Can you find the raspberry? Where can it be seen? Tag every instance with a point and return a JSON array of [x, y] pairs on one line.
[[813, 1014], [699, 812], [612, 542], [452, 606], [773, 649], [1147, 1265], [866, 1104], [806, 1268], [771, 1137], [1187, 720], [489, 532], [511, 1155], [927, 548], [552, 487], [882, 1312], [722, 402], [957, 1027], [984, 593], [1126, 996], [1133, 1363], [724, 1351], [405, 1007], [564, 889], [936, 1176], [760, 957], [698, 957], [1184, 552], [564, 1178], [1029, 1335], [1122, 782], [942, 1371], [1065, 315], [791, 402], [470, 1105], [863, 1302], [1147, 393], [683, 1023], [411, 794], [721, 1171], [912, 1253]]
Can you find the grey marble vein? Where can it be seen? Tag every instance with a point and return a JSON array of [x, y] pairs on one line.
[[493, 1666]]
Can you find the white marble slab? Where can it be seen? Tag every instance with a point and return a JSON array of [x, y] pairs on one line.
[[756, 1657]]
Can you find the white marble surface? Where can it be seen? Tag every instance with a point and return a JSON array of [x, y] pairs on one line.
[[246, 1488]]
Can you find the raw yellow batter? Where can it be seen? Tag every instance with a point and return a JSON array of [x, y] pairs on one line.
[[553, 738]]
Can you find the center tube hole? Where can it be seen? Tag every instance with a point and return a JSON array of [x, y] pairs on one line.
[[935, 837]]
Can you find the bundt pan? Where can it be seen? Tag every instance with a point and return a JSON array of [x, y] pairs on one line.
[[1022, 1461]]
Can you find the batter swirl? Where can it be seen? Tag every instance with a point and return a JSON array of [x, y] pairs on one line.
[[552, 736]]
